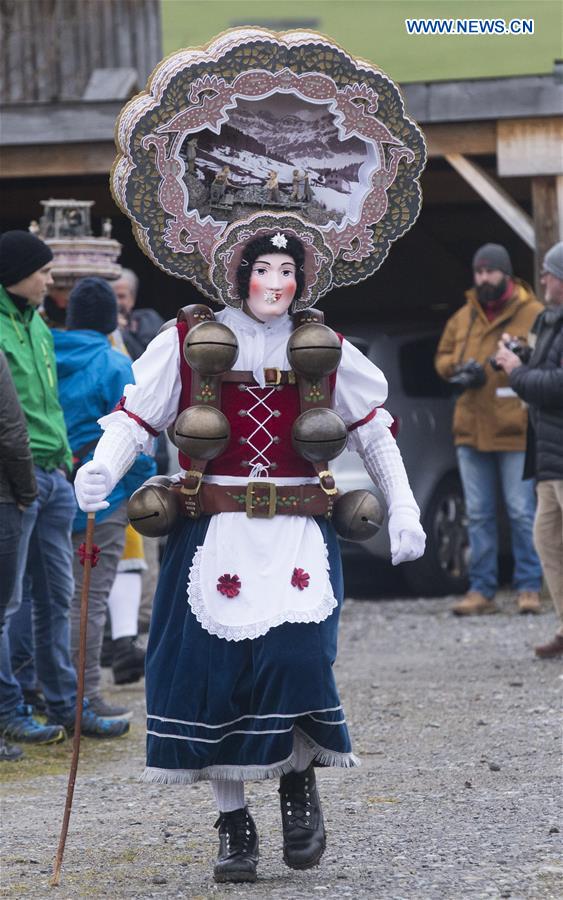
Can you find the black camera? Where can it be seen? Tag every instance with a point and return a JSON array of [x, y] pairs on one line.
[[522, 351], [470, 374]]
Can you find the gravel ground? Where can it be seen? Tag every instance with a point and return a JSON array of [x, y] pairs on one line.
[[458, 795]]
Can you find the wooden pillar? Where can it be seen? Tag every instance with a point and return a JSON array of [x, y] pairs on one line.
[[547, 206]]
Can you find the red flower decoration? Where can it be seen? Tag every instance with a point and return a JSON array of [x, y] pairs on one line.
[[300, 579], [229, 585], [93, 557]]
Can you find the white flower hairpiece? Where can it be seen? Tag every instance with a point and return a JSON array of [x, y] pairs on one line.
[[279, 240]]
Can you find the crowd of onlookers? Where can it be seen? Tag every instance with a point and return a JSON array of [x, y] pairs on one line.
[[503, 353], [64, 362], [59, 375]]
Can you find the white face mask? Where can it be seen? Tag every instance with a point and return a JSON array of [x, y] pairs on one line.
[[272, 285]]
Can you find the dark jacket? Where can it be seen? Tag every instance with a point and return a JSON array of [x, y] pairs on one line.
[[17, 478], [143, 327], [540, 384]]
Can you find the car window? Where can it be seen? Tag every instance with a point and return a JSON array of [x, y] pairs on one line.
[[416, 364]]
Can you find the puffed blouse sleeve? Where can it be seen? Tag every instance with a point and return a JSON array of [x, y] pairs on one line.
[[151, 404], [360, 391]]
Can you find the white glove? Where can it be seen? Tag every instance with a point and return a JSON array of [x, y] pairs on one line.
[[92, 485], [406, 535]]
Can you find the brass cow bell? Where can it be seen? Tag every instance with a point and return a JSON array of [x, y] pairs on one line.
[[319, 434], [357, 515], [210, 348], [202, 432], [154, 509], [314, 350]]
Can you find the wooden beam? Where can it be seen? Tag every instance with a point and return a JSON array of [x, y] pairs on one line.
[[52, 160], [469, 138], [547, 201], [495, 196], [530, 147]]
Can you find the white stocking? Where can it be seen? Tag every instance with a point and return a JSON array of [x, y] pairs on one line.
[[123, 604], [229, 795], [303, 754]]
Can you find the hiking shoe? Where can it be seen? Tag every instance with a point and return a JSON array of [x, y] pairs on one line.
[[474, 604], [238, 847], [128, 661], [97, 726], [9, 752], [528, 602], [21, 726], [107, 711], [552, 649], [36, 700]]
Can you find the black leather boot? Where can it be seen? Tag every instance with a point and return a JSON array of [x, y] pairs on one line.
[[128, 663], [238, 847], [304, 837]]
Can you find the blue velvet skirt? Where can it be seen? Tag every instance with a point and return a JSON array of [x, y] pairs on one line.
[[233, 709]]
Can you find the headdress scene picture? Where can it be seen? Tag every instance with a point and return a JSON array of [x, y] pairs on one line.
[[283, 126]]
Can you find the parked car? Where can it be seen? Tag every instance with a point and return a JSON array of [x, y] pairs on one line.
[[422, 406]]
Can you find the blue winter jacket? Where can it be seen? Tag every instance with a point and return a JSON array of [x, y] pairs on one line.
[[92, 376]]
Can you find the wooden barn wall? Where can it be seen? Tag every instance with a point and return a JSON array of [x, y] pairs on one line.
[[49, 48]]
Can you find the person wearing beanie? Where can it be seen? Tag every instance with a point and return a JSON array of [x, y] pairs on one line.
[[92, 376], [489, 429], [45, 547], [539, 383]]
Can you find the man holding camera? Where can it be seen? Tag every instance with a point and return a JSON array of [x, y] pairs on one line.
[[489, 429], [539, 381]]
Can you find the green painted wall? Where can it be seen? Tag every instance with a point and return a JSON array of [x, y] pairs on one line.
[[375, 30]]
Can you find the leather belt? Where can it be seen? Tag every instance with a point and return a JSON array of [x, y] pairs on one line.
[[272, 376], [257, 499]]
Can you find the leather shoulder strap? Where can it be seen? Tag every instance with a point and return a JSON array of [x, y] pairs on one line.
[[194, 314]]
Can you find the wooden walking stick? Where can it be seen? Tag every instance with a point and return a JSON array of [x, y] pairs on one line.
[[88, 556]]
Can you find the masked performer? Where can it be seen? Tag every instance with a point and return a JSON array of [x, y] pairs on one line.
[[257, 398]]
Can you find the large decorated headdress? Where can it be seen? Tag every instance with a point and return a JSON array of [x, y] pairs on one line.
[[281, 135]]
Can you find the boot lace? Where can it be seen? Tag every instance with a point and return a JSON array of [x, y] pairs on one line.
[[296, 798], [236, 827]]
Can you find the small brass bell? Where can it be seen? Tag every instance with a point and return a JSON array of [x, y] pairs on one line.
[[314, 350], [153, 509], [202, 432], [319, 434], [210, 348], [357, 515]]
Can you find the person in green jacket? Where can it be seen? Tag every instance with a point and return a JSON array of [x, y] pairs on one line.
[[45, 548]]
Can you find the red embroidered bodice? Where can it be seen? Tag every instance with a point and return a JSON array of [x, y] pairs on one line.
[[261, 420]]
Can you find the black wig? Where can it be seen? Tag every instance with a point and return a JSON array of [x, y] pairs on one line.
[[261, 246]]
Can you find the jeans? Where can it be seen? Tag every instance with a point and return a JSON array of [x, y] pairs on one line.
[[481, 473], [45, 555], [10, 533]]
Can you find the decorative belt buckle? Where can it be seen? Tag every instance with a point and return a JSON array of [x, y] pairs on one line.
[[329, 491], [277, 375], [191, 491], [251, 510]]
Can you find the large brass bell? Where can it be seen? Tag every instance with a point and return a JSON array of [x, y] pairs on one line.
[[210, 348], [154, 509], [357, 515], [314, 350], [319, 434], [202, 432]]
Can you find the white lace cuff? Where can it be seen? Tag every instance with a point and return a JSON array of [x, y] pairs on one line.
[[117, 449], [384, 464]]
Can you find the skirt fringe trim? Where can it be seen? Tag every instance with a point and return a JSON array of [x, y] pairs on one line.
[[322, 756]]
